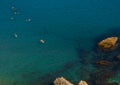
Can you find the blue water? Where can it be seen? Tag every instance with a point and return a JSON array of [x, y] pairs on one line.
[[65, 26]]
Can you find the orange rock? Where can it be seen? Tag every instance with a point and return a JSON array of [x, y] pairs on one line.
[[108, 44]]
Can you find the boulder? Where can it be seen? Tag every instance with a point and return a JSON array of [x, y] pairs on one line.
[[62, 81], [82, 83], [108, 44]]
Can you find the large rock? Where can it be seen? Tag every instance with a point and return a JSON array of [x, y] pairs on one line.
[[62, 81], [82, 83], [108, 44]]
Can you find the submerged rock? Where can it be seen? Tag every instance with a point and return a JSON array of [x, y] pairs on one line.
[[82, 83], [108, 44], [62, 81], [104, 63]]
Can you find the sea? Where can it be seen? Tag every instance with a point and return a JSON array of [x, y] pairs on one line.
[[70, 30]]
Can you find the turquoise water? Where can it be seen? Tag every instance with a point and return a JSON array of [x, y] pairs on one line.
[[69, 29]]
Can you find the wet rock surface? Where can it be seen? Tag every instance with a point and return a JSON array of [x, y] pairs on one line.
[[62, 81], [82, 83], [108, 44]]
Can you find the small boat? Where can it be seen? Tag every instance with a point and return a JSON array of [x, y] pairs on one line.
[[42, 41]]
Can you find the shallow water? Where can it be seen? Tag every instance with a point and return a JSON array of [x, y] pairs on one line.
[[70, 30]]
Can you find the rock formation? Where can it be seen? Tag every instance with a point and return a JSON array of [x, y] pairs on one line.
[[108, 44], [62, 81], [82, 83]]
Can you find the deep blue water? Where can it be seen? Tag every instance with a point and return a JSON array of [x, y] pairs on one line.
[[70, 29]]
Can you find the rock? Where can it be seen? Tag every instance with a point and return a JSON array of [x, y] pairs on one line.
[[62, 81], [104, 63], [82, 83], [108, 44]]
